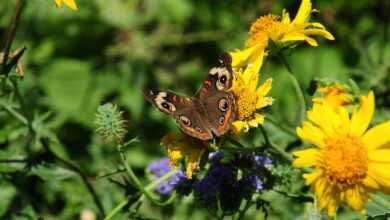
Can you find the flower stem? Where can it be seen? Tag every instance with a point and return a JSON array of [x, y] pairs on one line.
[[14, 113], [380, 201], [243, 211], [138, 183], [297, 87], [10, 36], [270, 143], [149, 187], [76, 169]]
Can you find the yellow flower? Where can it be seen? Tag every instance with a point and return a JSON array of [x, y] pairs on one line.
[[248, 96], [349, 160], [70, 3], [335, 94], [180, 146], [282, 31]]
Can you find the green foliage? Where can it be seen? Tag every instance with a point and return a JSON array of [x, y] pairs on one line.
[[54, 165]]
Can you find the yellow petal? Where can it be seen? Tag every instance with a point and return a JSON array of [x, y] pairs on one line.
[[305, 158], [252, 70], [380, 155], [299, 36], [310, 178], [312, 134], [377, 136], [265, 88], [263, 102], [258, 119], [179, 146], [370, 183], [285, 17], [333, 206], [303, 12], [241, 57], [355, 199], [317, 25], [319, 32], [58, 3], [379, 172], [238, 126], [71, 4], [361, 118], [328, 119]]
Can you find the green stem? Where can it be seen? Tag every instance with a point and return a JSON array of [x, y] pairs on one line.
[[10, 36], [244, 210], [149, 187], [75, 168], [381, 201], [14, 113], [23, 106], [117, 209], [138, 183], [279, 150], [297, 87]]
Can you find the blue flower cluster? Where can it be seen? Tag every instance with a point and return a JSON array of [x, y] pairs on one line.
[[161, 167], [224, 187]]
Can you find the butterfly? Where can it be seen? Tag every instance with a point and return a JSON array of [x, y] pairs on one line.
[[209, 113]]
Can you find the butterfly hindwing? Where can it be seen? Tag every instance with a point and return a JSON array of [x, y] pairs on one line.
[[221, 111]]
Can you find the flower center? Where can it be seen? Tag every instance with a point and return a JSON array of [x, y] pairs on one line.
[[265, 27], [344, 160], [246, 103]]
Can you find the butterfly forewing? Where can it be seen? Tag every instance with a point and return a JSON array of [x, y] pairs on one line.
[[184, 110]]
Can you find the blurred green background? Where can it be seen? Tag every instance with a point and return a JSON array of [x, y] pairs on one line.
[[107, 51]]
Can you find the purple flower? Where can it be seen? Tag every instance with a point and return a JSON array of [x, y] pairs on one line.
[[262, 160], [255, 182], [218, 185], [216, 157], [159, 168]]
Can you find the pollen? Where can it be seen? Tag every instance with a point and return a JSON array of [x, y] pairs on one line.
[[262, 29], [344, 161], [246, 104]]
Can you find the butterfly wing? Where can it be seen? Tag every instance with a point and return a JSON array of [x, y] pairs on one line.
[[183, 110], [221, 112], [217, 102], [219, 78]]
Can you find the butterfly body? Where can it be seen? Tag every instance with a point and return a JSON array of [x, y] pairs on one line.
[[207, 115]]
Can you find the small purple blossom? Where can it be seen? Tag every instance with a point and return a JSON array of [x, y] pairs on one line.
[[216, 157], [262, 160], [159, 168], [255, 182]]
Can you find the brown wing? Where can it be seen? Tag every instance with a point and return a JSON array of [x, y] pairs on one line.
[[221, 112], [219, 78], [183, 110]]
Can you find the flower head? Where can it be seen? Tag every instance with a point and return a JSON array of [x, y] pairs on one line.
[[349, 160], [281, 30], [180, 146], [70, 3], [334, 94], [160, 168], [110, 123], [249, 96]]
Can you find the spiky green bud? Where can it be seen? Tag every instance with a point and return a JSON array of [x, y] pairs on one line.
[[110, 123]]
